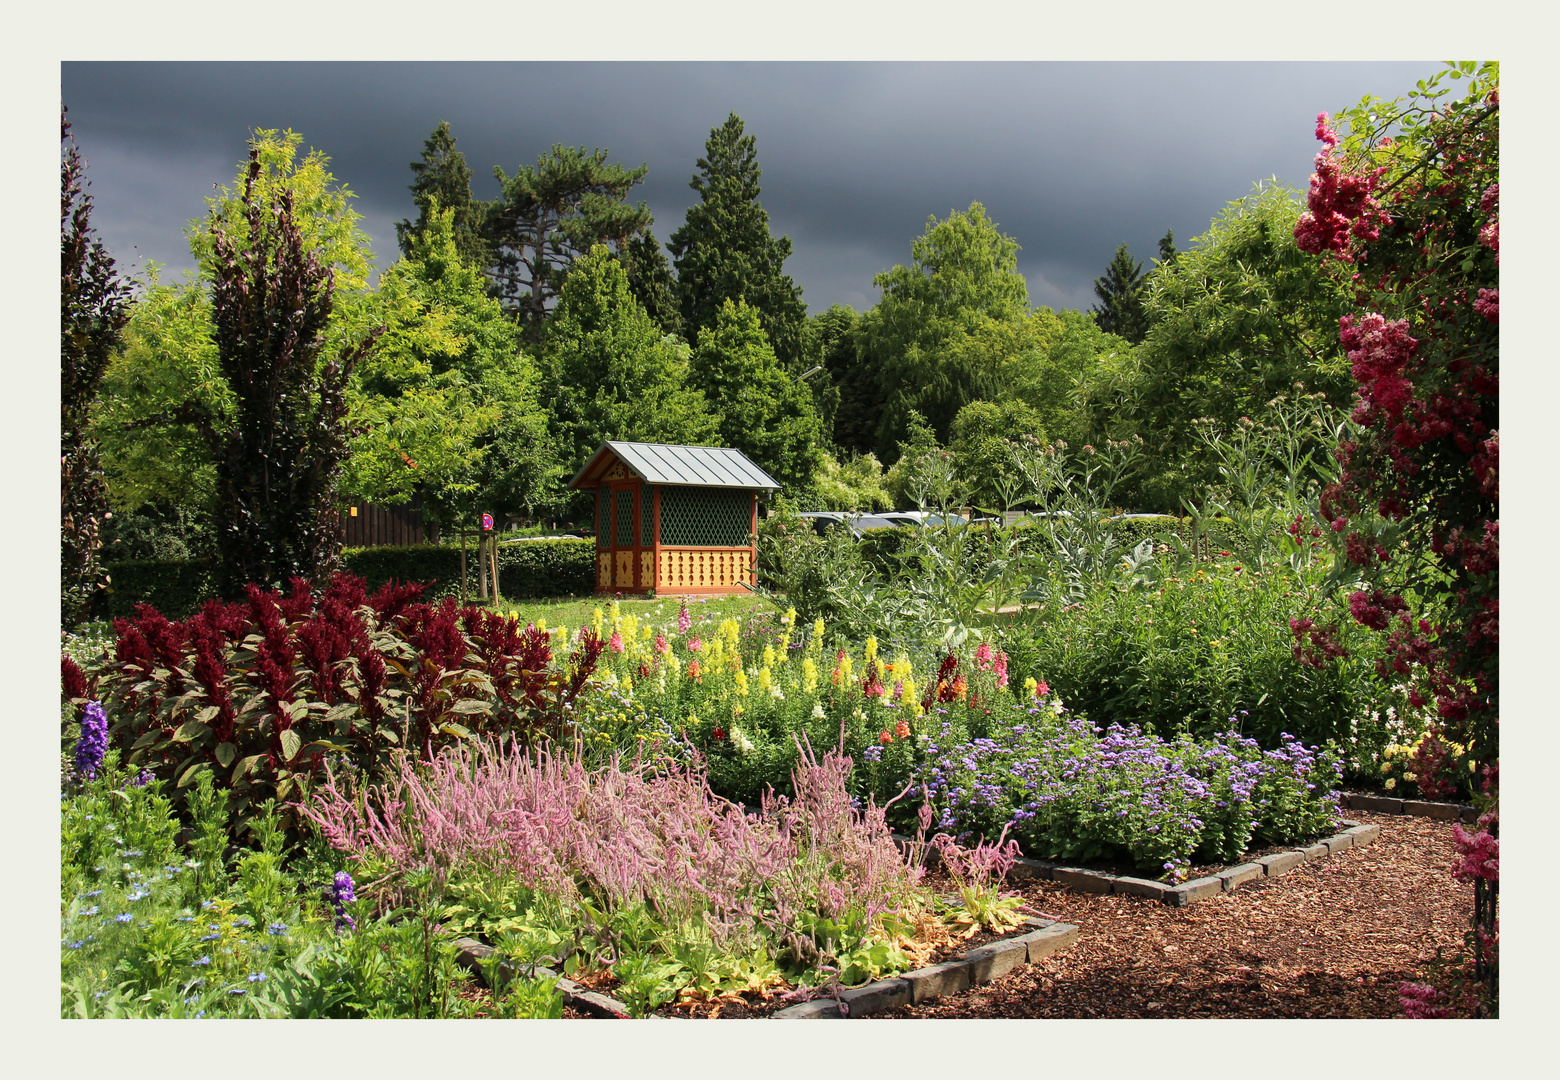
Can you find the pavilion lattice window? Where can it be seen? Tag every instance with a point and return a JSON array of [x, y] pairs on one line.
[[603, 519], [625, 519], [647, 517], [706, 517]]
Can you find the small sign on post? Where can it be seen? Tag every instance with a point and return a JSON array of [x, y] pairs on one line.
[[487, 522]]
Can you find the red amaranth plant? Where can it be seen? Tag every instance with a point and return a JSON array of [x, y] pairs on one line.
[[259, 692]]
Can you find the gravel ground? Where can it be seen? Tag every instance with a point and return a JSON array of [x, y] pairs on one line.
[[1333, 938]]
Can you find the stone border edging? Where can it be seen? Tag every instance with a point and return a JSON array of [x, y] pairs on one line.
[[469, 954], [1440, 811], [981, 964], [1189, 892]]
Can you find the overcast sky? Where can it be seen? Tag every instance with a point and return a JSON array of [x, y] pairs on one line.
[[1069, 158]]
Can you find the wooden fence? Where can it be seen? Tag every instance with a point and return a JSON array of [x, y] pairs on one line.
[[371, 525]]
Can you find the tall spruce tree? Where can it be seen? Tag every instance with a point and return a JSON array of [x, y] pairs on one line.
[[549, 217], [1120, 310], [443, 177], [94, 306], [724, 251], [650, 280], [1167, 253]]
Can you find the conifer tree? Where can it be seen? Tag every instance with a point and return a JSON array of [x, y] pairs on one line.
[[549, 217], [650, 280], [444, 177], [1120, 309], [724, 251]]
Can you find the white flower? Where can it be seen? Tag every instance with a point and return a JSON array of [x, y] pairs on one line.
[[741, 741], [818, 711]]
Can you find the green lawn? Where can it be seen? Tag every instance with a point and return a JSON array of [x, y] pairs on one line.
[[574, 612]]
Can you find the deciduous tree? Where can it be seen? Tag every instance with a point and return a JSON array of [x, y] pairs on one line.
[[609, 373], [763, 410]]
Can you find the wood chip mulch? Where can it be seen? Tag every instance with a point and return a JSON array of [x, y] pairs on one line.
[[1332, 938]]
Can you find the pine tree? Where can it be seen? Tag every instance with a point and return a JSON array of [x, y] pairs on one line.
[[94, 306], [444, 178], [1120, 310], [549, 217], [724, 251], [1167, 253]]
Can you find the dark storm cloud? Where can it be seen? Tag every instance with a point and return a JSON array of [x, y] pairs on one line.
[[1071, 159]]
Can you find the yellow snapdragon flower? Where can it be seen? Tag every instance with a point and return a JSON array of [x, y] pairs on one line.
[[809, 675]]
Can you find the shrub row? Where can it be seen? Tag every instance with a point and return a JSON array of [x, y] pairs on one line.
[[529, 570]]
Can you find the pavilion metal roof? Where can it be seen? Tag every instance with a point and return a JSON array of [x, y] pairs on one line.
[[691, 466]]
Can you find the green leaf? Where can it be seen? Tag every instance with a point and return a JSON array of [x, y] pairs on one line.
[[151, 736], [290, 744], [206, 715], [190, 729], [189, 774], [226, 752], [244, 766], [469, 706]]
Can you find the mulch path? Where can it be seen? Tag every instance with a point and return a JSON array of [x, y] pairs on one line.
[[1332, 938]]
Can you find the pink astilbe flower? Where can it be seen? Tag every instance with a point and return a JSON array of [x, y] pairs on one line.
[[621, 836]]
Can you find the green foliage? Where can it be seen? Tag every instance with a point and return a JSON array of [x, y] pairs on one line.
[[1237, 322], [1120, 310], [650, 280], [174, 586], [856, 484], [946, 323], [163, 531], [527, 570], [609, 373], [443, 180], [448, 402], [763, 411], [94, 306], [723, 250], [983, 439], [152, 453], [548, 217], [923, 473]]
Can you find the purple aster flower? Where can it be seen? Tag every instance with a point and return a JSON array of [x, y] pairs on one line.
[[93, 741]]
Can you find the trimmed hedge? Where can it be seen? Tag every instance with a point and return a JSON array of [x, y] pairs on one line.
[[528, 570], [175, 587]]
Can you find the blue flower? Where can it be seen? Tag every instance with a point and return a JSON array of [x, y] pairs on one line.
[[126, 917], [257, 976], [201, 961], [276, 929]]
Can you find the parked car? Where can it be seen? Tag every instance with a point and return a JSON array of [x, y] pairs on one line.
[[824, 520]]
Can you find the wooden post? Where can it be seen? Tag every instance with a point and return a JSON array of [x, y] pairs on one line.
[[493, 554], [463, 567], [482, 565]]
